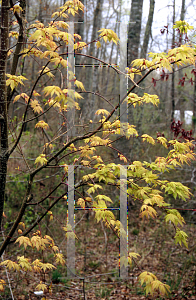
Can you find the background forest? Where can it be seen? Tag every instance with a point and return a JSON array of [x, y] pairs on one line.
[[43, 149]]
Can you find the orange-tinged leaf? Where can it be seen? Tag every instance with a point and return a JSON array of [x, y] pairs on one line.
[[59, 259], [42, 124], [10, 265], [39, 242], [23, 240], [36, 106], [2, 283], [24, 263]]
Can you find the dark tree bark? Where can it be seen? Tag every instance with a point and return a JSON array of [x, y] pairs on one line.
[[3, 103], [181, 98], [173, 76], [91, 76], [134, 30], [79, 29], [194, 106], [148, 30], [20, 41]]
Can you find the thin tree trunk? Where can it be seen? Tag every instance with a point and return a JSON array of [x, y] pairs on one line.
[[173, 76], [90, 74], [181, 98], [21, 22], [148, 30], [143, 55], [3, 102], [194, 106], [134, 30]]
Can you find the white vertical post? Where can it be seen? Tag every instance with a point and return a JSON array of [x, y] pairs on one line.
[[123, 223], [70, 222]]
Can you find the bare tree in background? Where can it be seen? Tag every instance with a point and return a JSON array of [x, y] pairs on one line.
[[173, 74], [181, 98], [134, 30], [148, 30]]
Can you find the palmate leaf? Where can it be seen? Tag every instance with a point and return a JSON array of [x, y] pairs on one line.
[[23, 95], [59, 258], [175, 217], [162, 140], [181, 237], [148, 211], [42, 124], [153, 284], [103, 197], [93, 188], [24, 240], [2, 284], [148, 138], [36, 106], [177, 189], [14, 80], [41, 159], [39, 242], [10, 265], [81, 202], [41, 286], [132, 255], [108, 35], [24, 263], [45, 266], [162, 288], [183, 26]]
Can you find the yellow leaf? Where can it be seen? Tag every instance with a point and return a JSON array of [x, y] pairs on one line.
[[13, 34], [51, 215], [80, 45], [16, 8], [102, 111], [42, 124], [59, 258], [24, 263], [14, 80], [2, 283], [41, 286], [148, 138], [10, 265], [47, 72], [41, 159], [98, 44], [23, 240], [36, 106], [81, 202], [39, 242]]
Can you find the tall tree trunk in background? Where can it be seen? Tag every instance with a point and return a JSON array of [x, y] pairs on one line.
[[173, 76], [148, 30], [144, 49], [20, 43], [134, 30], [5, 5], [194, 106], [180, 97], [91, 74]]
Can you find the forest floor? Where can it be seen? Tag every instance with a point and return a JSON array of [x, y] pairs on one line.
[[97, 263]]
